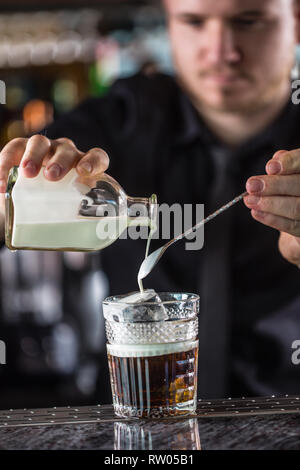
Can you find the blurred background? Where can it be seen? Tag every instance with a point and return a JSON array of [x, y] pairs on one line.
[[52, 56], [51, 59]]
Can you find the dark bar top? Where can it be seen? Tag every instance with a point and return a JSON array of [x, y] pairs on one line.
[[257, 423]]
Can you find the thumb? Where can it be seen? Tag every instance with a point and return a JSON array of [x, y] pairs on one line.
[[289, 247]]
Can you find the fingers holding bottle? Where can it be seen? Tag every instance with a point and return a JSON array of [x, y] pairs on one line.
[[10, 156], [29, 154], [65, 156], [94, 162], [57, 156]]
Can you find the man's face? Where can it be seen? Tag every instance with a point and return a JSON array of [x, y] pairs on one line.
[[233, 55]]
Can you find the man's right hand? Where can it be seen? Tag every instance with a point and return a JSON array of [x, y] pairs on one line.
[[57, 156]]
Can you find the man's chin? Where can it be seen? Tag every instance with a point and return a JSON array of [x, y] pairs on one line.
[[228, 103]]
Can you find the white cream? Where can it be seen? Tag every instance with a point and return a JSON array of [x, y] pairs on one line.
[[148, 350]]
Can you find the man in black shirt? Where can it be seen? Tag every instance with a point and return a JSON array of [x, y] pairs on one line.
[[198, 139]]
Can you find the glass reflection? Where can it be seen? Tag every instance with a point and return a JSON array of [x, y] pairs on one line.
[[162, 435]]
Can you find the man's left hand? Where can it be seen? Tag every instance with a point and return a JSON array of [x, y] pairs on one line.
[[274, 200]]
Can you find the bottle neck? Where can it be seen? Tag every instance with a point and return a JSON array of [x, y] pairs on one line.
[[142, 211]]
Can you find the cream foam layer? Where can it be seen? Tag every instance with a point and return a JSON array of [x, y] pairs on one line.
[[148, 350]]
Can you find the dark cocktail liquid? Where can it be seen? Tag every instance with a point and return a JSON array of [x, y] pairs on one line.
[[149, 384]]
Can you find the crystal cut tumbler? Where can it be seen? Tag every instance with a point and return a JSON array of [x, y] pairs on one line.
[[153, 364]]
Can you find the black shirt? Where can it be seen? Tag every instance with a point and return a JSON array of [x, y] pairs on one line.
[[158, 143]]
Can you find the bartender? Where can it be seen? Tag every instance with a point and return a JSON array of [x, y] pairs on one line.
[[225, 121]]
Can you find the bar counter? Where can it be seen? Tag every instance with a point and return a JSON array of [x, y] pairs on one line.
[[258, 423]]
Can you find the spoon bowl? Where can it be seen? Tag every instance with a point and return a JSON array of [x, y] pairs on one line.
[[151, 260]]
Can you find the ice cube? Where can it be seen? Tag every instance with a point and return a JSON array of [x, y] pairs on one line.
[[138, 297], [153, 311]]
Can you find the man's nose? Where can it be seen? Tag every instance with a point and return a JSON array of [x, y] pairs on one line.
[[221, 46]]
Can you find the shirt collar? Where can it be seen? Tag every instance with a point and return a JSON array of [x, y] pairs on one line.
[[191, 126], [277, 136]]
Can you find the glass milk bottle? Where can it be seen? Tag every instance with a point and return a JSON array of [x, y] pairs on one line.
[[74, 214]]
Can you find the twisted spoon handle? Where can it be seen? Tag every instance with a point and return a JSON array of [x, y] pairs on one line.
[[210, 217]]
